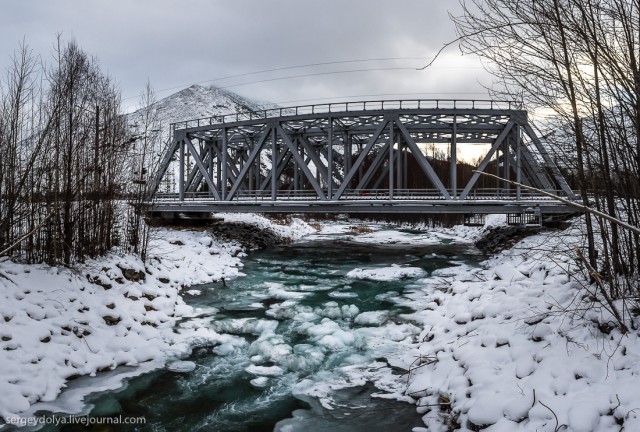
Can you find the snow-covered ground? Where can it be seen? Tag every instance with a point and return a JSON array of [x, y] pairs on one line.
[[506, 347], [512, 346], [57, 324]]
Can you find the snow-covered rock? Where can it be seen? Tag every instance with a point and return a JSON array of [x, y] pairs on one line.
[[505, 352], [385, 273], [58, 323]]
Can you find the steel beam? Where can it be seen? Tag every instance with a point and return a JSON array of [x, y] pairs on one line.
[[361, 158], [318, 149], [381, 207], [181, 170], [422, 161], [302, 164], [245, 167], [486, 160], [391, 159]]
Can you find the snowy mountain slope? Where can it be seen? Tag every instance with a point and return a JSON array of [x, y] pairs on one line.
[[154, 121], [195, 102]]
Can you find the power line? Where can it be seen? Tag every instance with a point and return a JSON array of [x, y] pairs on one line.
[[286, 68], [381, 94], [317, 74], [315, 64]]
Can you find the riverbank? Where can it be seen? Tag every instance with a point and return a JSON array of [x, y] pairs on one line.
[[58, 324], [517, 345], [522, 346], [508, 346]]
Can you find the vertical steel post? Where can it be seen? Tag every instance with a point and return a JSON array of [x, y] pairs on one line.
[[518, 162], [360, 169], [453, 157], [255, 168], [257, 172], [209, 146], [330, 160], [348, 147], [405, 182], [225, 165], [399, 165], [274, 163], [251, 178], [507, 166], [391, 161], [181, 175], [318, 174], [218, 170]]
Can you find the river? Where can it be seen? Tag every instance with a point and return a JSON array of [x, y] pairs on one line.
[[311, 338]]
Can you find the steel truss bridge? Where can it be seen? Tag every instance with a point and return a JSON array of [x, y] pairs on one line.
[[409, 156]]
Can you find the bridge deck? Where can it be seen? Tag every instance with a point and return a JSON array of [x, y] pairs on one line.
[[373, 202], [364, 206]]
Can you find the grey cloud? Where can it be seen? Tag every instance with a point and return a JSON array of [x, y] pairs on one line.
[[180, 42]]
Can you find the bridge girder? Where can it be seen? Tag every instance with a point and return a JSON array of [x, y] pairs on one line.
[[336, 157]]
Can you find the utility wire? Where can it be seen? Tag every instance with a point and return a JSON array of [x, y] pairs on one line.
[[315, 64], [286, 68], [317, 74], [381, 94]]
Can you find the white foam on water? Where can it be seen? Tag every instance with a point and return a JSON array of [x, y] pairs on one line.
[[386, 274], [181, 366], [265, 371], [261, 381], [342, 294], [275, 290], [245, 326]]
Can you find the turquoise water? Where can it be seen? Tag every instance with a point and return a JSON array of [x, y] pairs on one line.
[[293, 345]]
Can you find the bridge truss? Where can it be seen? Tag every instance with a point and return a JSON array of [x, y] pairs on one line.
[[360, 157]]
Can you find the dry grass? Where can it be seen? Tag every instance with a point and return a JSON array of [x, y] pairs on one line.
[[316, 226], [360, 229]]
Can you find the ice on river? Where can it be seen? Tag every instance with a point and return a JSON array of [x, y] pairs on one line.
[[181, 366], [386, 274], [480, 341], [400, 237]]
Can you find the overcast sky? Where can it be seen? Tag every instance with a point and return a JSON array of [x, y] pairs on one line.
[[175, 43]]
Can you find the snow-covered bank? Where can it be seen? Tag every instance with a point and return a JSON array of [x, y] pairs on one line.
[[513, 348], [57, 324], [517, 345], [477, 343]]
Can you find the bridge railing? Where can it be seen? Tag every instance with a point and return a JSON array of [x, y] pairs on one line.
[[360, 195], [342, 107]]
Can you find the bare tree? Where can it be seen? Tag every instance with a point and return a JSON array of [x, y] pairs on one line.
[[144, 155], [575, 62], [64, 139]]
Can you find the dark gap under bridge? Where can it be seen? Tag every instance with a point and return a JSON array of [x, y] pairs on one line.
[[409, 156]]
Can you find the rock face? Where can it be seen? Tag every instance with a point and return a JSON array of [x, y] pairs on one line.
[[500, 238], [131, 274], [249, 236]]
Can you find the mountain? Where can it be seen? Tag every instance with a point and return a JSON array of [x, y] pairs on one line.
[[153, 122], [194, 102]]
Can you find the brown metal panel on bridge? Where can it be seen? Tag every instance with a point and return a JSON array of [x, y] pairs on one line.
[[410, 156]]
